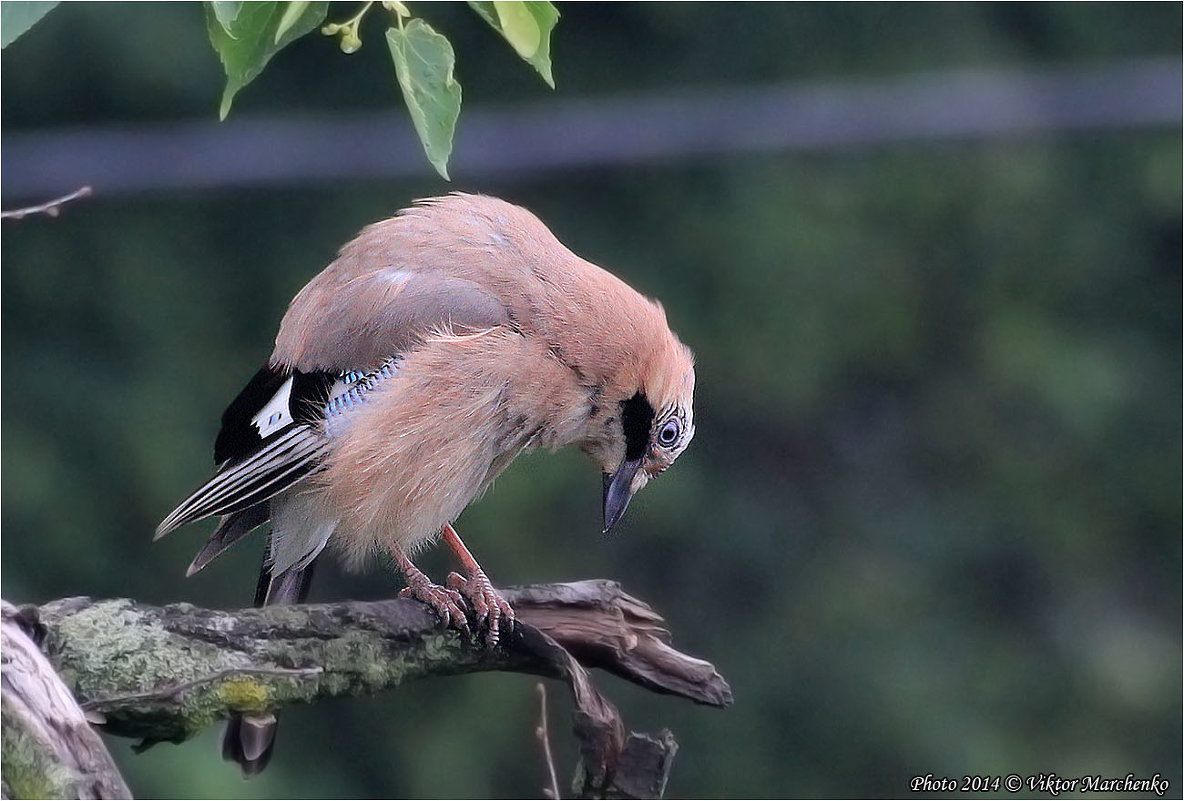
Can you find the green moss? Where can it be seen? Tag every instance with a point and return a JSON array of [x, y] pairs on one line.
[[131, 656], [438, 647], [30, 772], [244, 695], [155, 679]]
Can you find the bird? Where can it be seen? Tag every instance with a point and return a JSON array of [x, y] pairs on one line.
[[440, 344]]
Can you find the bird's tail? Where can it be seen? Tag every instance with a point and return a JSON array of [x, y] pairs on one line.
[[250, 739]]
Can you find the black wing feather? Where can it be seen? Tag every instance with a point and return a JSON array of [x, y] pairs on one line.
[[259, 458], [238, 437], [254, 466], [232, 528]]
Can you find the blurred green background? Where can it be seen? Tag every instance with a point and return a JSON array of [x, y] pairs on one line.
[[931, 520]]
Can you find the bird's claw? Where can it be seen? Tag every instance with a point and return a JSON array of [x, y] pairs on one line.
[[446, 602], [490, 609]]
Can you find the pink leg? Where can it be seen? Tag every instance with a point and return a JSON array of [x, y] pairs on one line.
[[446, 602], [488, 604]]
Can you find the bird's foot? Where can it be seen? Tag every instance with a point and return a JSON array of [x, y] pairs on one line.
[[447, 603], [490, 609]]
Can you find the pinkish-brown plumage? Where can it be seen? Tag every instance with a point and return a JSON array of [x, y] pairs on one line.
[[510, 340], [406, 376]]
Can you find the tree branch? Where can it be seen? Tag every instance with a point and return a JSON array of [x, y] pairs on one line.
[[49, 747], [166, 673]]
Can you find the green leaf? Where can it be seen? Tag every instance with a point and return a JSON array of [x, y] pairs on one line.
[[247, 42], [518, 26], [291, 17], [526, 26], [226, 11], [17, 17], [424, 62]]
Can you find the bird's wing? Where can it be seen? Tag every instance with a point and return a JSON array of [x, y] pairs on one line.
[[273, 435], [355, 322], [346, 328]]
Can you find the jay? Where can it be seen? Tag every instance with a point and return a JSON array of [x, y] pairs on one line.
[[439, 345]]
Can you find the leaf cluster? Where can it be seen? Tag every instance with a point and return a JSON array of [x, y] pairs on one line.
[[247, 35]]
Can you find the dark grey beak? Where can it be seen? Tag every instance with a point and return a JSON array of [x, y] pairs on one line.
[[618, 491]]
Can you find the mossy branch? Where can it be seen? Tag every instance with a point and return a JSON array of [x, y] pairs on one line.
[[166, 673]]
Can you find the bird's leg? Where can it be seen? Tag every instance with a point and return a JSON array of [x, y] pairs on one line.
[[489, 607], [447, 602]]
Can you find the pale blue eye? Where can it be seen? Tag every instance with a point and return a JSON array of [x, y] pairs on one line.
[[669, 433]]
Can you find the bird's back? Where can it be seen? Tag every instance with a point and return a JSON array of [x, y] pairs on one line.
[[471, 262]]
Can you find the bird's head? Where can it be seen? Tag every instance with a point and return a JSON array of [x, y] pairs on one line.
[[644, 425]]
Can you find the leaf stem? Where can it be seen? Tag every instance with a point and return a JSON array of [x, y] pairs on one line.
[[357, 20]]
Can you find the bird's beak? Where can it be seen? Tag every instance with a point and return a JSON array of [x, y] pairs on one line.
[[618, 491]]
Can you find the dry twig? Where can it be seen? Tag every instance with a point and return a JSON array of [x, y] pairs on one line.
[[541, 733], [50, 208]]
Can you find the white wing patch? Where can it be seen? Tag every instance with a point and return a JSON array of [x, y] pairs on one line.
[[277, 413]]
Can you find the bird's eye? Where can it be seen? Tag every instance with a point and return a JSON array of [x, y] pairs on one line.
[[669, 433]]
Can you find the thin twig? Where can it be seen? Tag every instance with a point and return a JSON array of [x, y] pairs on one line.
[[172, 691], [540, 731], [51, 208]]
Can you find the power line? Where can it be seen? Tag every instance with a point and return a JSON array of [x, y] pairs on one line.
[[561, 134]]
